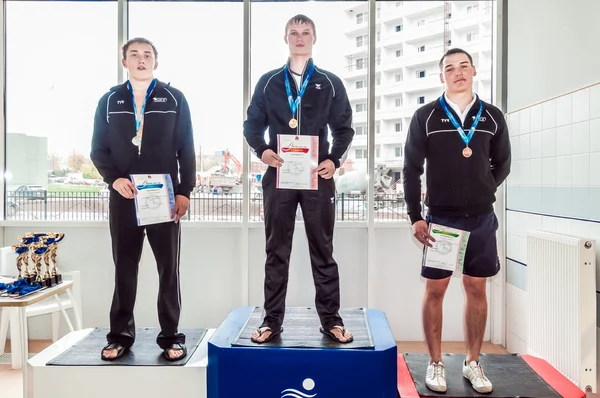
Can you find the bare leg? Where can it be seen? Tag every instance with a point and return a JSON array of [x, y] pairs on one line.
[[475, 315], [435, 290]]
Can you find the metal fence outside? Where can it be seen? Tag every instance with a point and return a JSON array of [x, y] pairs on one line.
[[92, 206]]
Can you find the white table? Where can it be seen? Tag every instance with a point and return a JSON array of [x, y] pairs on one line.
[[18, 308]]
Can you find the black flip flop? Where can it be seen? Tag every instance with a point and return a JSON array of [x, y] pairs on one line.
[[334, 337], [121, 349], [266, 329], [177, 347]]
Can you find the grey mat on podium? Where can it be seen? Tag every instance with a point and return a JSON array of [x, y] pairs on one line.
[[510, 375], [145, 351], [301, 330]]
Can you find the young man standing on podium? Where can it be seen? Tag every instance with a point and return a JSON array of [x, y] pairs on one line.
[[296, 103], [466, 145], [144, 127]]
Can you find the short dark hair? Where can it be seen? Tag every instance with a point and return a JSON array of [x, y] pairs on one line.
[[453, 51], [301, 19], [141, 40]]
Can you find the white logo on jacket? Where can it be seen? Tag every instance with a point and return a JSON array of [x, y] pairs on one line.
[[160, 99], [120, 102]]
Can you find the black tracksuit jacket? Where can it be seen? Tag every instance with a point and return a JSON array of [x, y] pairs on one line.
[[324, 103], [456, 186], [167, 142]]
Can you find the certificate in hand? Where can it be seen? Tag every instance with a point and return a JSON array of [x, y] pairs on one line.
[[300, 154], [449, 248], [155, 200]]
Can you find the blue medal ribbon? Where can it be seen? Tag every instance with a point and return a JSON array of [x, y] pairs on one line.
[[138, 122], [465, 138], [295, 103]]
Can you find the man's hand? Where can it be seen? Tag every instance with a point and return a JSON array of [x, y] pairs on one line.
[[421, 232], [326, 169], [125, 187], [270, 158], [181, 206]]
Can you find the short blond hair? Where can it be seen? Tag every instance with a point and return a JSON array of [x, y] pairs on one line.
[[301, 19]]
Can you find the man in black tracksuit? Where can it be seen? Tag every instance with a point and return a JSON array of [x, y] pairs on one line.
[[163, 125], [324, 102], [466, 145]]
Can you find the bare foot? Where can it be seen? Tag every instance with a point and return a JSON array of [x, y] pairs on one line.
[[262, 334], [341, 334], [174, 354], [112, 351], [110, 354]]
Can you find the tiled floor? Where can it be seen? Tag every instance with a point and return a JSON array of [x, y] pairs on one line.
[[11, 382], [11, 385]]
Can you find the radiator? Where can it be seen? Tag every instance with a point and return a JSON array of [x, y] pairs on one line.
[[561, 304]]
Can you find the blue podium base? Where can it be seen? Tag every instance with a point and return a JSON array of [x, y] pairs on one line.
[[301, 372]]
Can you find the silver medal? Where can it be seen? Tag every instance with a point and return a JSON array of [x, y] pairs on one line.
[[137, 141]]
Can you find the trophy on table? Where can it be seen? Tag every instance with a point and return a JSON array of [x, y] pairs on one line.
[[29, 270], [49, 275], [40, 249], [58, 237], [37, 251], [22, 252]]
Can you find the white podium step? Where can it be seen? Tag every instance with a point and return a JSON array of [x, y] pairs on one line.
[[115, 381]]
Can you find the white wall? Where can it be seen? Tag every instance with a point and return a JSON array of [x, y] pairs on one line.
[[212, 284], [554, 122], [552, 49]]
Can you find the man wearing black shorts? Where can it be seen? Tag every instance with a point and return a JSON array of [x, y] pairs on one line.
[[465, 142]]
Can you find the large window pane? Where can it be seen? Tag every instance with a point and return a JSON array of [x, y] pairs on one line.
[[342, 49], [200, 51], [414, 36], [60, 59]]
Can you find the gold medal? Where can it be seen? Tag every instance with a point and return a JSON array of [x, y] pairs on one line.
[[293, 123], [467, 152]]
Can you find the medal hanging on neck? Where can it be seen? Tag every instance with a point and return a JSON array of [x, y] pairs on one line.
[[295, 104], [466, 152], [137, 140]]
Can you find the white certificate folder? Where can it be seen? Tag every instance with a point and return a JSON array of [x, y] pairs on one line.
[[449, 249], [155, 199]]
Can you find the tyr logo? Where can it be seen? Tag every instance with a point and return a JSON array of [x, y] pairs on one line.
[[446, 120]]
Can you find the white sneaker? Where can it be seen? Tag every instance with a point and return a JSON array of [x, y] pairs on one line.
[[478, 380], [435, 379]]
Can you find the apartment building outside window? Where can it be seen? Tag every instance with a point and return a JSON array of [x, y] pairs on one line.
[[362, 40], [398, 151], [399, 53], [361, 63], [362, 17], [399, 77], [361, 108], [421, 23], [398, 127], [359, 130], [399, 3], [421, 100], [399, 28], [421, 49], [420, 74], [398, 102], [472, 36]]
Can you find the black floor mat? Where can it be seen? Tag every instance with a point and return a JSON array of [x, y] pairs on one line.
[[301, 330], [145, 351], [510, 375]]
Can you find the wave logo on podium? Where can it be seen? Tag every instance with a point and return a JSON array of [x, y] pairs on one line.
[[307, 384]]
